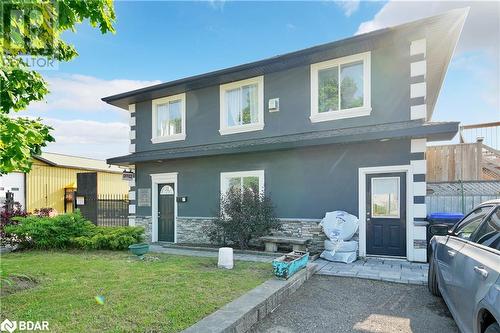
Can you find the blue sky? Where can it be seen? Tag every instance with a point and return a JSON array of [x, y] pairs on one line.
[[162, 41]]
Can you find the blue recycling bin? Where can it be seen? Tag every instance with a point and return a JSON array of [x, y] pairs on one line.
[[449, 219]]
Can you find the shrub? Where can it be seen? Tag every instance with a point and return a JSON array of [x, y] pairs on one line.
[[111, 238], [51, 232], [45, 212], [72, 231], [7, 218], [243, 215]]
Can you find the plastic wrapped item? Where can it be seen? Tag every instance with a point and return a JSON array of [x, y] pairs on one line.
[[345, 257], [347, 246], [339, 225]]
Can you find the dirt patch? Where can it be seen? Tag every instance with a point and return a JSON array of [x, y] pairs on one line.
[[15, 283]]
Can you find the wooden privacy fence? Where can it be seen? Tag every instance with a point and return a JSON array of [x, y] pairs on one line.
[[464, 161], [454, 162]]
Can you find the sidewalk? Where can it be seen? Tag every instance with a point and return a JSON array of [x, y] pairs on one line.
[[211, 254]]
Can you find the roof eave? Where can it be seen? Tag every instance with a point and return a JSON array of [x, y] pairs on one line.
[[431, 131]]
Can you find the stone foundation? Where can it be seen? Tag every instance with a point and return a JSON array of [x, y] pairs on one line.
[[191, 230], [147, 223], [303, 229]]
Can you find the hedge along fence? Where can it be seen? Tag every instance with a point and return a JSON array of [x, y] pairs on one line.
[[70, 231]]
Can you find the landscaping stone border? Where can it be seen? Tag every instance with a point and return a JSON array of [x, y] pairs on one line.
[[242, 313]]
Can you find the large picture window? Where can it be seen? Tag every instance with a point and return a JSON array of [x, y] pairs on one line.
[[242, 106], [169, 119], [340, 88], [241, 180]]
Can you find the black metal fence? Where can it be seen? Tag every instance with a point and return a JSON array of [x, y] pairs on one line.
[[112, 210], [109, 210]]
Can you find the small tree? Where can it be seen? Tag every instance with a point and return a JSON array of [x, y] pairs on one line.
[[243, 215]]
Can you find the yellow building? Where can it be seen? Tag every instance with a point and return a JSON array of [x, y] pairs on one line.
[[43, 186]]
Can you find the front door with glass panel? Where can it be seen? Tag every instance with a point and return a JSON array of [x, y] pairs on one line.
[[166, 212], [386, 214]]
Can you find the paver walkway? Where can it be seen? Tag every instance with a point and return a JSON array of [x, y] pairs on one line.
[[210, 254], [393, 270]]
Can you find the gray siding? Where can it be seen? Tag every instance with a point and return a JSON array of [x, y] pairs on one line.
[[389, 94], [303, 183]]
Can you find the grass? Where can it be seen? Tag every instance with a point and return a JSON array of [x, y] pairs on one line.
[[163, 294]]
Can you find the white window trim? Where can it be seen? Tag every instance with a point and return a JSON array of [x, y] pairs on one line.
[[161, 178], [399, 199], [410, 228], [364, 110], [224, 129], [225, 176], [174, 137]]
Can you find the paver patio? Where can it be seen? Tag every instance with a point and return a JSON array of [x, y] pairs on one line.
[[392, 270]]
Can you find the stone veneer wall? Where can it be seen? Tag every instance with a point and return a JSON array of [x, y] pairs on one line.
[[147, 223], [192, 230]]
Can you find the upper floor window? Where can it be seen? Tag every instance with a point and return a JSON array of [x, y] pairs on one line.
[[340, 88], [242, 106], [169, 119]]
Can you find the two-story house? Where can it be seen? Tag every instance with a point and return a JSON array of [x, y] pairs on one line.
[[339, 126]]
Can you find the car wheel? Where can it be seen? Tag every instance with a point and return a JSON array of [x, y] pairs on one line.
[[493, 328], [432, 283]]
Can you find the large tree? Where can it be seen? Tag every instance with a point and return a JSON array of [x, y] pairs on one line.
[[33, 28]]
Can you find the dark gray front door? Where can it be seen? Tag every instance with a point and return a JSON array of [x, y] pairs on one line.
[[166, 212], [386, 214]]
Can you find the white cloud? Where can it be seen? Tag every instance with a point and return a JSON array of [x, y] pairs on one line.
[[81, 93], [348, 6], [217, 4], [88, 138], [481, 30]]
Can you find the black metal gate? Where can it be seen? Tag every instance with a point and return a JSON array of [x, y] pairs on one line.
[[110, 210]]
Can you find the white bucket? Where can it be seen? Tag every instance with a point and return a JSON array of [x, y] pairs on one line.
[[225, 258]]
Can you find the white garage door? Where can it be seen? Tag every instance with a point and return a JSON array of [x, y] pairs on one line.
[[13, 182]]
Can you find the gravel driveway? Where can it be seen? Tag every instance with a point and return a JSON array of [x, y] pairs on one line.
[[338, 304]]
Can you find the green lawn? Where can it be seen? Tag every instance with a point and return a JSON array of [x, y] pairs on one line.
[[164, 295]]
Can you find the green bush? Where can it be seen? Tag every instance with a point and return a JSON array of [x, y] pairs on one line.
[[71, 231], [243, 215], [111, 238]]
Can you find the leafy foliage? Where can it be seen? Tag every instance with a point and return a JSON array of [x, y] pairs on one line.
[[34, 28], [70, 231], [7, 218], [243, 215], [110, 238], [20, 139], [328, 94]]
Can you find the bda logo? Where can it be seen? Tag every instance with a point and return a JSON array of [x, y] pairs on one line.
[[8, 325]]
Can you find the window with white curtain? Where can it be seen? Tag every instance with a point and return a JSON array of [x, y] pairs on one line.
[[242, 106], [169, 119]]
